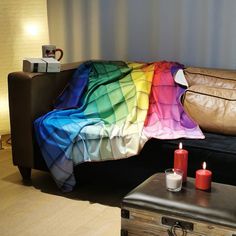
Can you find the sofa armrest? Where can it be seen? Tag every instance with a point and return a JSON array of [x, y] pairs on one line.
[[30, 96]]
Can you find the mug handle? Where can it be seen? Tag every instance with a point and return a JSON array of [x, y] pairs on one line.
[[61, 55]]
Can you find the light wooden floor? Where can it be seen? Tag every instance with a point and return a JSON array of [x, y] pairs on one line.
[[39, 208]]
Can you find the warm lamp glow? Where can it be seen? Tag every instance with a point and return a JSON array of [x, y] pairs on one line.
[[22, 37], [3, 113], [3, 104], [32, 29]]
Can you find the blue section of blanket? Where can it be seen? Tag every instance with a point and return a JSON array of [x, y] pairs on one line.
[[73, 92]]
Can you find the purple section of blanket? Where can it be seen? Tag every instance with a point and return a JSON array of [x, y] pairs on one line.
[[166, 118]]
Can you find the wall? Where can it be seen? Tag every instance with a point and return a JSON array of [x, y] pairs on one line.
[[199, 33], [23, 29]]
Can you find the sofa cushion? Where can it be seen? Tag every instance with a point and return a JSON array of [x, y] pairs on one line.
[[214, 109], [211, 77]]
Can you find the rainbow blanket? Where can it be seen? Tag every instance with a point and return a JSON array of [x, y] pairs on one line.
[[108, 111]]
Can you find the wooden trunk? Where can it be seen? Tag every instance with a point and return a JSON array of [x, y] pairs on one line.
[[146, 223], [151, 210]]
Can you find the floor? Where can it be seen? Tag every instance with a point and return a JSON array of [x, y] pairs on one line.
[[39, 208]]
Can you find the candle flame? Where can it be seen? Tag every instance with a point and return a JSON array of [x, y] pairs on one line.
[[204, 165], [174, 171], [180, 145]]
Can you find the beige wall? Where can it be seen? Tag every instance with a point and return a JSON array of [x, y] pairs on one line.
[[23, 29]]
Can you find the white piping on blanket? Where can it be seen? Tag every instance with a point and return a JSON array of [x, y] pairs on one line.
[[180, 78]]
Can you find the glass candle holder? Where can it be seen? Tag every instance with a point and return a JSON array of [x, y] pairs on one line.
[[174, 178]]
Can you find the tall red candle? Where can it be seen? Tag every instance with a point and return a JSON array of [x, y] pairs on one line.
[[181, 160], [203, 178]]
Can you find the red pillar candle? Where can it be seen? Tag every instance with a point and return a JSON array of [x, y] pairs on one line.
[[203, 178], [181, 161]]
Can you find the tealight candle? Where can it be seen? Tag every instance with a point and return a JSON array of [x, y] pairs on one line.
[[181, 160], [174, 179], [203, 178]]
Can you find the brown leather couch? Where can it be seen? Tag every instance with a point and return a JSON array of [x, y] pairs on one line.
[[32, 95]]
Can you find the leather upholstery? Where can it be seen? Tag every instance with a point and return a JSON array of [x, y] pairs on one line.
[[211, 77], [213, 108]]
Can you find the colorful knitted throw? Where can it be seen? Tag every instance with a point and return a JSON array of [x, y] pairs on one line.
[[108, 111]]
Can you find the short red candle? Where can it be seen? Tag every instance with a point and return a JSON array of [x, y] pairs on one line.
[[203, 178], [181, 161]]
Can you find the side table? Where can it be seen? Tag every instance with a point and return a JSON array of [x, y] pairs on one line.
[[150, 209]]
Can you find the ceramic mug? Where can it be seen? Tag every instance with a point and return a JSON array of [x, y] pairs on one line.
[[51, 51]]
